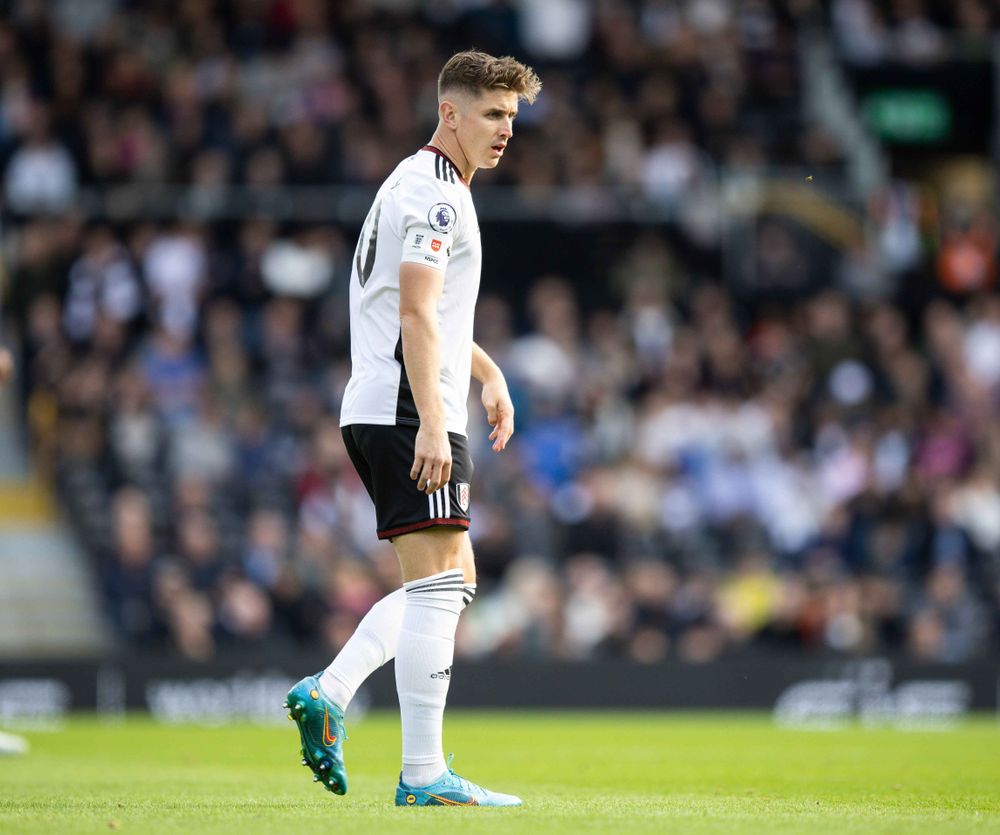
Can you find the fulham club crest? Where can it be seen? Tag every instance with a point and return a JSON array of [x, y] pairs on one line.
[[463, 496]]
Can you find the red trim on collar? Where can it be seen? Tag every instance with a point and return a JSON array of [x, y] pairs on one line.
[[443, 155]]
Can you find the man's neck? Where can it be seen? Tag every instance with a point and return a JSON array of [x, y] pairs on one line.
[[448, 145]]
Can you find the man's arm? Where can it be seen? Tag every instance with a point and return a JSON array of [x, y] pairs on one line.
[[419, 292], [496, 397]]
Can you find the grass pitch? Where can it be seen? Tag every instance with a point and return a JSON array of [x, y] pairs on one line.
[[609, 772]]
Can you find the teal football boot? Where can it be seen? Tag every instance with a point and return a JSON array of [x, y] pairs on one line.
[[321, 729], [451, 790]]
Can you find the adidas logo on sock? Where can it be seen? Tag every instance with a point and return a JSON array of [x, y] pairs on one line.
[[445, 674]]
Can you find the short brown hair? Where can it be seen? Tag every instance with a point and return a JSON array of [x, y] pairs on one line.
[[475, 71]]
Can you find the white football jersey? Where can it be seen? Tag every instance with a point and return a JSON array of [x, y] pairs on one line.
[[422, 214]]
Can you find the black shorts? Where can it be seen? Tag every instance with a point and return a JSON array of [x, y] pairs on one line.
[[383, 456]]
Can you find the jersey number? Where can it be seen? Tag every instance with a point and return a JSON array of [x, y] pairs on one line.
[[365, 270]]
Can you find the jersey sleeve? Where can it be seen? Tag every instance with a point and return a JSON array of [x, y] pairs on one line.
[[427, 223]]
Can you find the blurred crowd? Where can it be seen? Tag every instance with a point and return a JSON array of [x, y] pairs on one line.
[[810, 461], [912, 31], [647, 95]]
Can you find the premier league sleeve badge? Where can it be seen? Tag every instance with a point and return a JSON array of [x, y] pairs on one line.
[[441, 217]]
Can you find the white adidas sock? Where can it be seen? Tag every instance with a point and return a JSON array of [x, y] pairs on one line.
[[423, 670], [468, 595], [372, 645]]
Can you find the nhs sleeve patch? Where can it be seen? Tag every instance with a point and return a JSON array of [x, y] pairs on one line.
[[422, 246]]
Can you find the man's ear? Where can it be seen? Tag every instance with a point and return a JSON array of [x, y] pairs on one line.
[[448, 113]]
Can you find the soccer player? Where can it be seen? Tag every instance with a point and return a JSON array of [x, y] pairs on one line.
[[404, 419]]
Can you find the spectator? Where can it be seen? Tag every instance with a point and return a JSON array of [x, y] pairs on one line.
[[41, 175], [103, 288]]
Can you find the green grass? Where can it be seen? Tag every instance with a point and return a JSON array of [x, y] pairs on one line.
[[611, 772]]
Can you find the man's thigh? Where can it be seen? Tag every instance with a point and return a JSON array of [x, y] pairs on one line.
[[431, 551]]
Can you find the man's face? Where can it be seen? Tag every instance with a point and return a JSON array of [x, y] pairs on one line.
[[484, 125]]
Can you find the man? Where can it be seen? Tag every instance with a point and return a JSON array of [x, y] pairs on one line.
[[413, 294]]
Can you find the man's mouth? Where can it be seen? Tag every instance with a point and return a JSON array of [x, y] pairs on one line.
[[499, 147]]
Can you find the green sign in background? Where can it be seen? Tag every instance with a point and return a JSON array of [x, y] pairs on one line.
[[908, 115]]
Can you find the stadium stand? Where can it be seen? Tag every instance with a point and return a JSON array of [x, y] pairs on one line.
[[735, 431]]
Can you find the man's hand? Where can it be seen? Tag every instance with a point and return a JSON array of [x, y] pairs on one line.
[[431, 459], [499, 411]]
